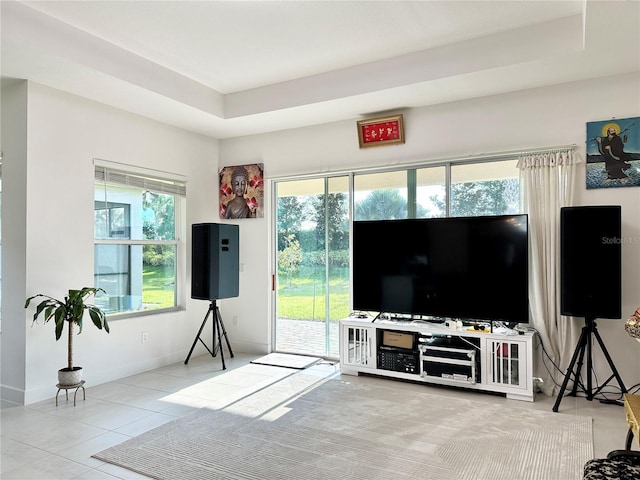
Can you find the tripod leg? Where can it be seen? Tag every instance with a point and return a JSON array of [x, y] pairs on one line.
[[219, 344], [578, 351], [590, 365], [610, 361], [578, 370], [224, 333], [206, 317], [214, 309]]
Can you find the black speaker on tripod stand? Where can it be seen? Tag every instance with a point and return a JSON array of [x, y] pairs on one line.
[[590, 284], [215, 270]]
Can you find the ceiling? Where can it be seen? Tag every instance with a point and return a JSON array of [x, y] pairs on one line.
[[231, 68]]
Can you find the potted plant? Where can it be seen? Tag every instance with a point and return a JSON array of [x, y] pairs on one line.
[[71, 310]]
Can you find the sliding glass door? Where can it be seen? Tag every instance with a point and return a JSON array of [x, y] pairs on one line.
[[311, 225], [312, 259]]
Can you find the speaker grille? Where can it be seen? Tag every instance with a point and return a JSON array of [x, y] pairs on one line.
[[214, 261], [591, 252]]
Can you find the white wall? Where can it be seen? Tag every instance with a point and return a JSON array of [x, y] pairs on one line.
[[530, 119], [14, 145], [64, 134]]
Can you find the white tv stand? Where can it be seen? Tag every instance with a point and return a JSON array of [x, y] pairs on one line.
[[476, 360]]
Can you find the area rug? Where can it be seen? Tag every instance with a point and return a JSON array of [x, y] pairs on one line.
[[362, 431], [286, 360]]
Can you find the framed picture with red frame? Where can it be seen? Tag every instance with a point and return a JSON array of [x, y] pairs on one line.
[[381, 131]]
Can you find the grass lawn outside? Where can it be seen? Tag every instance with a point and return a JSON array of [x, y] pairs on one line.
[[299, 298], [303, 297], [158, 287]]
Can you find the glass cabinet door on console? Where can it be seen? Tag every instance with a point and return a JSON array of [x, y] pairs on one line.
[[507, 363], [357, 346], [503, 363]]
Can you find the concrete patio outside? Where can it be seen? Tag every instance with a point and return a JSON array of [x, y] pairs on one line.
[[307, 337]]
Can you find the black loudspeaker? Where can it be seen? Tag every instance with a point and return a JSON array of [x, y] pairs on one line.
[[214, 261], [590, 261]]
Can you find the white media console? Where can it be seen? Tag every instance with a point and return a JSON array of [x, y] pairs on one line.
[[434, 353]]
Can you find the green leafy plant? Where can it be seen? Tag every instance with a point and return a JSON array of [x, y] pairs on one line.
[[71, 310]]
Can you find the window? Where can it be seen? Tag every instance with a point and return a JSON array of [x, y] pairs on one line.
[[136, 231], [452, 189], [311, 233], [490, 188], [380, 196], [431, 192]]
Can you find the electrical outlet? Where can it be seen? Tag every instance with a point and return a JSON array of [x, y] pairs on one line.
[[234, 321], [145, 337]]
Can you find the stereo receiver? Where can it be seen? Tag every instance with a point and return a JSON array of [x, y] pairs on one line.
[[398, 352], [397, 361]]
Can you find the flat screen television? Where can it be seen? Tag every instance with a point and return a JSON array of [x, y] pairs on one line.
[[471, 268]]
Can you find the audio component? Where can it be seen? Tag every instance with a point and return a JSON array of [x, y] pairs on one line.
[[397, 361], [590, 261], [215, 261], [398, 351]]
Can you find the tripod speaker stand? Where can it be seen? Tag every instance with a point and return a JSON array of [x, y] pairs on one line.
[[585, 345], [218, 326]]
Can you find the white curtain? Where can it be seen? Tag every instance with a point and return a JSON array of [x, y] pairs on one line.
[[547, 180]]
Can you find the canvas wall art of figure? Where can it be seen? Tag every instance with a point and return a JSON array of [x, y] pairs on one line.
[[242, 191], [613, 153]]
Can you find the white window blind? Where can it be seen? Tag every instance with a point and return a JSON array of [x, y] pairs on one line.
[[146, 182]]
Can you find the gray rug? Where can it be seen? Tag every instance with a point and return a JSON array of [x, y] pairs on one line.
[[362, 430], [286, 360]]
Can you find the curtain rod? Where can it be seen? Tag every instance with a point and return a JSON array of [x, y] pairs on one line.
[[483, 157], [471, 158], [549, 149], [430, 162], [508, 153]]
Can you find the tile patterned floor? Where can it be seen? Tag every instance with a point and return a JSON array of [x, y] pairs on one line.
[[42, 441]]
